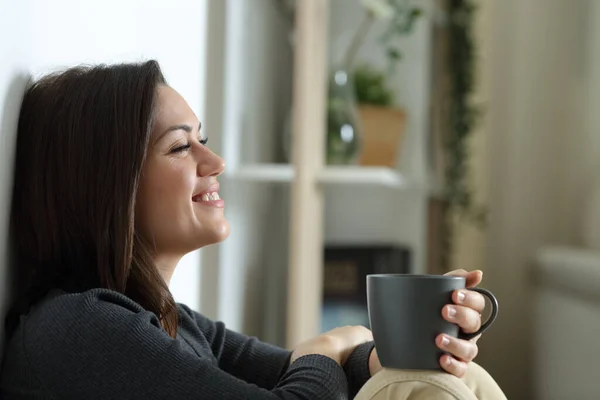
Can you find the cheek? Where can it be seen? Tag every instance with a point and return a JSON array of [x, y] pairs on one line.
[[172, 184], [165, 191]]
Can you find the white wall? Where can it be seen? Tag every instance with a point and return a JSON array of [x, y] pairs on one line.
[[37, 36], [257, 77], [13, 78]]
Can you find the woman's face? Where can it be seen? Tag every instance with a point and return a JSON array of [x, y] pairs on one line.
[[178, 208]]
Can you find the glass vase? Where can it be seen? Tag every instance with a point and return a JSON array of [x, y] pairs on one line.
[[342, 130], [343, 127]]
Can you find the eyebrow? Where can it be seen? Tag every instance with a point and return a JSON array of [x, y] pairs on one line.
[[181, 127]]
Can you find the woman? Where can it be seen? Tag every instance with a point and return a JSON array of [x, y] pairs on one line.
[[114, 184]]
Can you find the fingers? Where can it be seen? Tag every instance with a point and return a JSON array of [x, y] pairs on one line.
[[352, 335], [463, 350], [470, 299], [453, 366], [363, 333], [473, 278], [461, 353], [457, 272], [337, 343], [466, 313], [466, 318], [374, 363]]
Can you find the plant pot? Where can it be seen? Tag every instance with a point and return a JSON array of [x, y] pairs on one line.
[[381, 133]]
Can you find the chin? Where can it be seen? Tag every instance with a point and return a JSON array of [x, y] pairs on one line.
[[216, 235], [222, 233]]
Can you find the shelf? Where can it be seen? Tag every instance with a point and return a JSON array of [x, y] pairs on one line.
[[350, 174], [264, 173], [363, 175]]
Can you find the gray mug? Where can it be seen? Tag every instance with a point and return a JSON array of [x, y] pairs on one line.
[[405, 313]]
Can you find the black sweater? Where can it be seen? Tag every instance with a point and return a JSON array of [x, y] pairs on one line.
[[102, 345]]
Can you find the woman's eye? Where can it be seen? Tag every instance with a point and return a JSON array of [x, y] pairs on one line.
[[181, 148], [188, 145]]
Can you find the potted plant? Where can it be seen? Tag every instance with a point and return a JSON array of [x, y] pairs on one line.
[[363, 125], [382, 122]]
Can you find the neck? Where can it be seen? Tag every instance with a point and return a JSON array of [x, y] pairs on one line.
[[166, 266]]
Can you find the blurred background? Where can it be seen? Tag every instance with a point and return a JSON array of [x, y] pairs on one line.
[[371, 136]]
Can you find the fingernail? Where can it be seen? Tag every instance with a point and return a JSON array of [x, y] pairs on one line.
[[461, 297], [451, 312], [445, 341], [448, 361]]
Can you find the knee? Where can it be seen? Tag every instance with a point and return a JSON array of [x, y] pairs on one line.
[[416, 385], [481, 383]]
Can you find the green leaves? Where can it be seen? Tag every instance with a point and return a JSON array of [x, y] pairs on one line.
[[371, 87], [401, 24], [394, 54], [464, 116], [370, 84]]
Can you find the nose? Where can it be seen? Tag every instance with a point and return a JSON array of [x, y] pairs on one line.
[[210, 164]]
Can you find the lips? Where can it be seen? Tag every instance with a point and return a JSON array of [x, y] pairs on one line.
[[207, 195]]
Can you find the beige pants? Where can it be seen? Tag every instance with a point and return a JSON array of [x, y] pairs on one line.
[[392, 384]]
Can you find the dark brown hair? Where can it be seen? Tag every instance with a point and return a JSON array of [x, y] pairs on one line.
[[81, 144]]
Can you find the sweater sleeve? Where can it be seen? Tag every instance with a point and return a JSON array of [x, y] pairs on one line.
[[93, 348], [357, 368], [242, 356]]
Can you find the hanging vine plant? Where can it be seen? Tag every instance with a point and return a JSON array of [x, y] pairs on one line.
[[458, 194]]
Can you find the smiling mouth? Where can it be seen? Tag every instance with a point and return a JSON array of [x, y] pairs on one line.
[[206, 197]]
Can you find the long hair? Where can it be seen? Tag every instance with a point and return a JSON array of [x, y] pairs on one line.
[[81, 144]]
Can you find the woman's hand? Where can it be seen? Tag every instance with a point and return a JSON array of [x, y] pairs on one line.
[[466, 313], [337, 344], [374, 363]]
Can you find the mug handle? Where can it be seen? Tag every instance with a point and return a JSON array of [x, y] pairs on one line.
[[490, 320]]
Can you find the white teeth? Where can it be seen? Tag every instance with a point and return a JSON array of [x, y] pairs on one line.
[[209, 197]]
